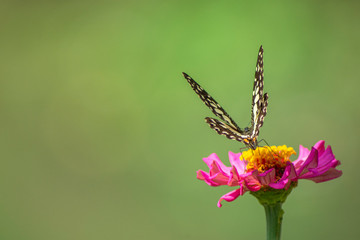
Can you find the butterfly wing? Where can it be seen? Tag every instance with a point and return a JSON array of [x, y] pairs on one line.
[[211, 103], [259, 100], [263, 112], [226, 130], [258, 112]]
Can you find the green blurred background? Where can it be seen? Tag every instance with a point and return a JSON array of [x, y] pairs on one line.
[[101, 135]]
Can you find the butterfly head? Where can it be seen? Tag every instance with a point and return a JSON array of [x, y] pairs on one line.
[[251, 142]]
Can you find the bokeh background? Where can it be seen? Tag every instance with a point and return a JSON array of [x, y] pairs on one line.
[[101, 136]]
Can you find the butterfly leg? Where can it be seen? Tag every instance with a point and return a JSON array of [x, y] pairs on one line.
[[267, 144], [242, 148]]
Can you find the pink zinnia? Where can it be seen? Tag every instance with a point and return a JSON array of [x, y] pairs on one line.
[[269, 168]]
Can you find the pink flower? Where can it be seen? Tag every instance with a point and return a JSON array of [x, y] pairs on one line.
[[269, 168]]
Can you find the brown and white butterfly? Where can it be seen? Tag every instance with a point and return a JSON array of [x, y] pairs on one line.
[[227, 126]]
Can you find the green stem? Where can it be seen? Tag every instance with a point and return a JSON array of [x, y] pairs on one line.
[[274, 215], [272, 200]]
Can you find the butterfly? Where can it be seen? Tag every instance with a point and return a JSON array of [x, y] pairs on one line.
[[227, 126]]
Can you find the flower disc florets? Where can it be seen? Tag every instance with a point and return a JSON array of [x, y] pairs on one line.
[[265, 158]]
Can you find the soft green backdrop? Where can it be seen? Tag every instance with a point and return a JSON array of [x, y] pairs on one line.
[[101, 136]]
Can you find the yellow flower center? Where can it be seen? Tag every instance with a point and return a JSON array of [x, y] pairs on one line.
[[265, 158]]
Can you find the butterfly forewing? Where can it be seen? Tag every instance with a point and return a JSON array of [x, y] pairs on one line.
[[210, 102], [259, 100]]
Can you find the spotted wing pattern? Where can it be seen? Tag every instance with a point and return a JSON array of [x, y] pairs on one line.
[[210, 102], [259, 100], [226, 130], [230, 128]]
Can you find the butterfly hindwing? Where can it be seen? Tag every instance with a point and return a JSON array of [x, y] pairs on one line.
[[225, 130], [259, 120], [264, 109]]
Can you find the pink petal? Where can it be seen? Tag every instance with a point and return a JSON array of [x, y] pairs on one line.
[[251, 181], [201, 175], [319, 168], [234, 178], [267, 177], [217, 168], [280, 184], [214, 158], [315, 172], [320, 146], [290, 171], [235, 161], [330, 174], [310, 162], [303, 153], [289, 174], [327, 158], [220, 179], [230, 196]]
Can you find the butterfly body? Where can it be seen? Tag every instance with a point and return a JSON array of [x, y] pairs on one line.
[[227, 126]]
